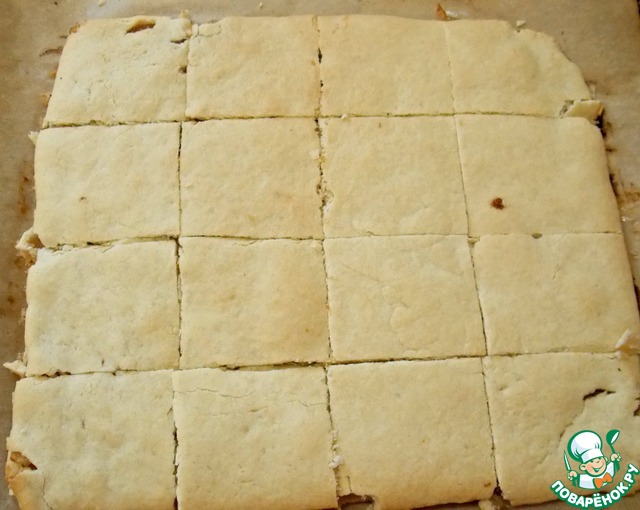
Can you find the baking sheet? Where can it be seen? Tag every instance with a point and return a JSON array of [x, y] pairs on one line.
[[602, 37]]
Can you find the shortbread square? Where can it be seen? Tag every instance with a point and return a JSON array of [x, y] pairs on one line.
[[496, 69], [402, 297], [376, 65], [253, 439], [534, 175], [570, 292], [251, 178], [389, 176], [254, 67], [97, 183], [252, 302], [538, 402], [140, 76], [103, 309], [412, 433], [84, 441]]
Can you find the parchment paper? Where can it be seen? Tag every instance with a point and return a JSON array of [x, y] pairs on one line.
[[602, 37]]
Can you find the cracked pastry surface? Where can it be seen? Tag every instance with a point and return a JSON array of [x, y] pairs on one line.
[[260, 312], [85, 442], [253, 439], [496, 69], [274, 71], [97, 183], [585, 391], [330, 232], [405, 409], [569, 292], [141, 76], [389, 176], [362, 74], [251, 178], [402, 297], [103, 309], [539, 168]]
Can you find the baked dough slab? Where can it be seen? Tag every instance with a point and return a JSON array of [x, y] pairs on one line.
[[88, 438], [252, 302], [140, 78], [97, 183], [551, 175], [251, 178], [365, 69], [394, 424], [253, 439], [254, 67], [103, 309], [389, 176], [583, 391], [402, 297], [569, 292], [496, 69]]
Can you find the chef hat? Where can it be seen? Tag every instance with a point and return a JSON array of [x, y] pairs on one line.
[[585, 445]]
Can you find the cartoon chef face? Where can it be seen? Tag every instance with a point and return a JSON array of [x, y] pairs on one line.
[[586, 447], [597, 471], [595, 467]]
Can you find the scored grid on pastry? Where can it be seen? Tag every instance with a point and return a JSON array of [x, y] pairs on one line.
[[122, 71], [103, 183], [586, 391], [102, 309], [272, 439], [446, 78], [364, 193], [538, 167], [267, 192], [93, 441]]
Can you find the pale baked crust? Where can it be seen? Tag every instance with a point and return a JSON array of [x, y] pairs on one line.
[[413, 433], [273, 72], [252, 302], [258, 241], [251, 178], [389, 176], [86, 442], [97, 184], [537, 402], [140, 77], [539, 169], [562, 292], [253, 439], [496, 69], [402, 297], [103, 309], [365, 71]]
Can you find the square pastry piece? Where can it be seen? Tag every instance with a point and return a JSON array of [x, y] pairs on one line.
[[140, 76], [97, 183], [538, 402], [391, 176], [253, 439], [103, 309], [569, 292], [412, 433], [252, 302], [375, 65], [83, 441], [496, 69], [402, 297], [251, 178], [534, 175], [254, 67]]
